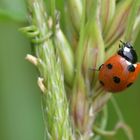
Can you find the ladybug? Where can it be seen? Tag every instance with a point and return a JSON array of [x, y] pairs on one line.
[[121, 70]]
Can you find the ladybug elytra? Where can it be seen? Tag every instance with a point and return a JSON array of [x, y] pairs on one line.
[[121, 70]]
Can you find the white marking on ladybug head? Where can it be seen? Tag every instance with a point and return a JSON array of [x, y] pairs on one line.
[[135, 65], [126, 49]]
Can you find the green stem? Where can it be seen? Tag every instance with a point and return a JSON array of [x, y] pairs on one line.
[[117, 109], [54, 101], [125, 128], [104, 121], [104, 132]]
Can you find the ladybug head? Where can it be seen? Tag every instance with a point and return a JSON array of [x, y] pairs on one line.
[[128, 52]]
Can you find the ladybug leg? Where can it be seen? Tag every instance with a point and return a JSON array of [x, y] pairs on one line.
[[100, 67], [94, 69], [122, 42]]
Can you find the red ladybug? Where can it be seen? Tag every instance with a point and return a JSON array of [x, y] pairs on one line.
[[121, 70]]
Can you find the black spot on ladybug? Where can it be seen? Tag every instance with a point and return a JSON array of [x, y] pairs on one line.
[[102, 83], [116, 79], [129, 84], [131, 68], [109, 66]]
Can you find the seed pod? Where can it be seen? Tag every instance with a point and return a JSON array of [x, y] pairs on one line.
[[94, 49], [92, 6], [75, 8], [132, 21], [66, 55], [136, 28], [32, 59], [79, 104], [118, 24], [107, 13]]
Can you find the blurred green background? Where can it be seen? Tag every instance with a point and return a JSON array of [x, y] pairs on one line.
[[20, 98]]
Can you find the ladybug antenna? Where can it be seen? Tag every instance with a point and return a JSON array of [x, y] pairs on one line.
[[122, 42], [95, 69]]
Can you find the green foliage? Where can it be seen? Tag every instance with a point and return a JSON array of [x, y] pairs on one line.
[[69, 38], [93, 37]]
